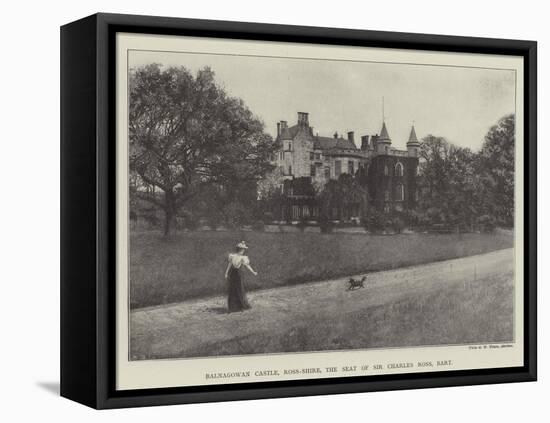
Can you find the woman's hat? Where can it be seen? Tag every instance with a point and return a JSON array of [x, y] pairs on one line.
[[242, 244]]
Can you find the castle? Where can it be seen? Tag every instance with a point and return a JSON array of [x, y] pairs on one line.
[[306, 160]]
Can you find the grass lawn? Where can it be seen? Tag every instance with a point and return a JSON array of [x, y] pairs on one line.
[[450, 315], [451, 302], [192, 265]]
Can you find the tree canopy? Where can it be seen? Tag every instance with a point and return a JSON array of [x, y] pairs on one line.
[[447, 182], [459, 186], [186, 131], [496, 170]]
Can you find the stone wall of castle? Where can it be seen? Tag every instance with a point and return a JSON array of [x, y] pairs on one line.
[[390, 173], [390, 188]]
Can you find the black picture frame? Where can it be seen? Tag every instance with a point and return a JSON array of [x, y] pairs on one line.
[[88, 209]]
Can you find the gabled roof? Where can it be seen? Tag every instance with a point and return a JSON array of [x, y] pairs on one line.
[[319, 143], [412, 137], [331, 143], [289, 133], [384, 134]]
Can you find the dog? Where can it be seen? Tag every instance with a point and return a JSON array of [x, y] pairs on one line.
[[356, 284]]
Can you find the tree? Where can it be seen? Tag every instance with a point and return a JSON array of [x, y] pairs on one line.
[[433, 181], [460, 188], [496, 170], [464, 204], [185, 131], [342, 198], [448, 182], [270, 196]]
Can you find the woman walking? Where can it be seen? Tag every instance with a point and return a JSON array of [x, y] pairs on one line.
[[236, 297]]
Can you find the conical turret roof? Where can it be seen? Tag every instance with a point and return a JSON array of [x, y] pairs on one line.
[[384, 134], [412, 137]]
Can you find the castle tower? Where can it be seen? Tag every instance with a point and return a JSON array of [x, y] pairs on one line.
[[383, 142], [413, 145]]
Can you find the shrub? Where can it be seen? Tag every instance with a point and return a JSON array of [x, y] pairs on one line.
[[268, 217], [398, 224], [188, 221], [152, 220], [374, 220], [302, 224], [258, 225], [325, 225], [486, 223], [237, 215]]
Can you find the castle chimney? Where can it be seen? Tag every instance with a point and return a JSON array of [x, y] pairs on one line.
[[283, 130], [278, 129], [365, 142], [336, 134], [351, 136], [303, 119]]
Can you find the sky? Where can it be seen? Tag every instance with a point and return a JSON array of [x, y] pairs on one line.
[[458, 103]]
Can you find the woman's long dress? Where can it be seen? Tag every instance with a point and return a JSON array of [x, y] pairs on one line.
[[236, 297]]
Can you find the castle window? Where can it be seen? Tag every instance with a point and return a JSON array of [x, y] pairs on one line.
[[399, 192], [416, 195], [317, 156], [290, 146], [289, 170], [311, 156], [398, 169], [337, 168], [386, 171], [312, 171], [327, 172], [386, 195], [351, 167]]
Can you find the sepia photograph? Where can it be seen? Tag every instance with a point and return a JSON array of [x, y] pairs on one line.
[[256, 211], [284, 205]]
